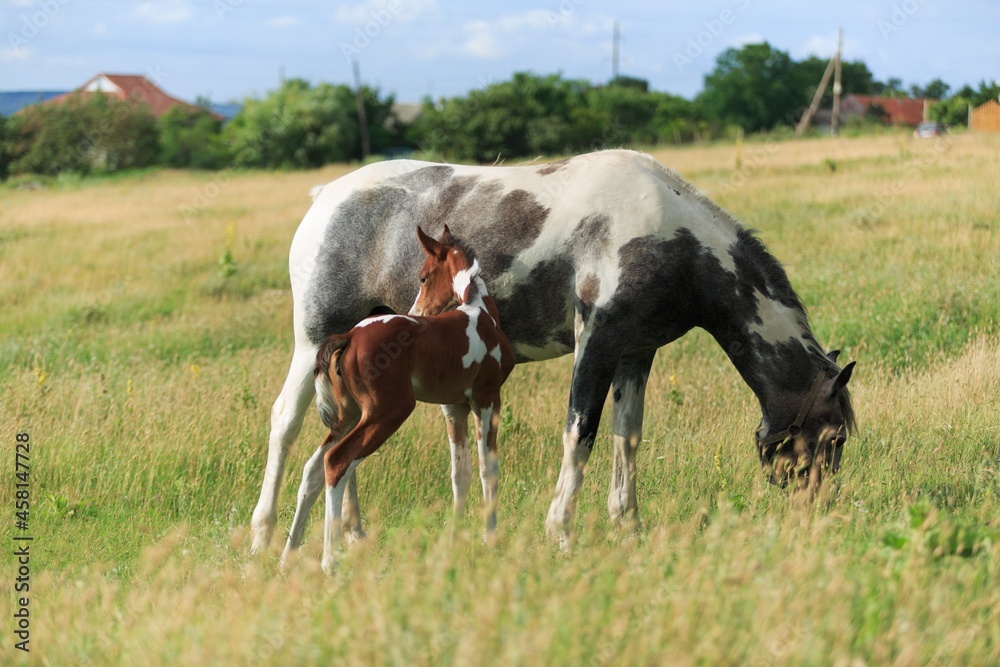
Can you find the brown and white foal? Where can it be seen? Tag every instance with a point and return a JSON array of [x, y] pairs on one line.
[[449, 350]]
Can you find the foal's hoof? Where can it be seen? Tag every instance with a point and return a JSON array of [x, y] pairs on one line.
[[352, 537], [329, 565], [260, 537], [558, 535]]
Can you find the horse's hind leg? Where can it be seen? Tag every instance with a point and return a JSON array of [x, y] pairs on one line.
[[286, 422], [629, 391]]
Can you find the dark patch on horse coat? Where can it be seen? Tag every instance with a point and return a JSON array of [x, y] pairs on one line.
[[537, 311], [592, 237], [553, 167], [367, 224], [356, 224], [590, 289]]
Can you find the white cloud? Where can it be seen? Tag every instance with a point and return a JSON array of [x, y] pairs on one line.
[[743, 40], [383, 10], [495, 39], [14, 54], [172, 11], [825, 46], [283, 22]]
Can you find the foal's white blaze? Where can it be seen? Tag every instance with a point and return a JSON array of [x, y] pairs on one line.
[[477, 348], [381, 319]]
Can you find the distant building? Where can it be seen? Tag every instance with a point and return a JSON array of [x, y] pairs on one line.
[[985, 117], [896, 110], [129, 87]]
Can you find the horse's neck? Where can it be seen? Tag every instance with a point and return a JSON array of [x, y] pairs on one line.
[[775, 352], [479, 299]]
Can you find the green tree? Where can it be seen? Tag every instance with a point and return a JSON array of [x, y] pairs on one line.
[[299, 126], [893, 87], [93, 134], [952, 111], [753, 87], [191, 138], [855, 77], [528, 115], [935, 89], [6, 131]]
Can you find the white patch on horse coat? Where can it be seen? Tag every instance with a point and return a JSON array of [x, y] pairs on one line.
[[477, 348], [779, 323], [495, 353], [381, 318], [464, 278]]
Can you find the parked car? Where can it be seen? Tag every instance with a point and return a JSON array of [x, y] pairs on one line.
[[928, 130]]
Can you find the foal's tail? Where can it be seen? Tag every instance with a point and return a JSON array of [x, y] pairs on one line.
[[326, 401]]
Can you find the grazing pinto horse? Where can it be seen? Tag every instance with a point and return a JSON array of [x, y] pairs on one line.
[[607, 255], [369, 379]]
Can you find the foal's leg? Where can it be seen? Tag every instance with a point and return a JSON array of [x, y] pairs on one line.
[[629, 391], [456, 418], [286, 422], [487, 424], [309, 490], [595, 366], [378, 422]]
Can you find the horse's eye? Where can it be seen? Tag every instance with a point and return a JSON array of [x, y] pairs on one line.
[[423, 280]]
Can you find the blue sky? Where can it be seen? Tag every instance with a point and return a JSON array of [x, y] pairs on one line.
[[229, 49]]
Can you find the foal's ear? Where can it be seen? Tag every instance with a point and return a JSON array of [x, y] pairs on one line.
[[843, 377], [446, 237], [431, 246], [833, 354]]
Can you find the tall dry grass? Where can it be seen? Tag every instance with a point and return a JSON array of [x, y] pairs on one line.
[[143, 363]]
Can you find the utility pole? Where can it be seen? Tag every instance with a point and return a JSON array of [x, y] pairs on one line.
[[614, 53], [362, 118], [807, 116], [835, 117]]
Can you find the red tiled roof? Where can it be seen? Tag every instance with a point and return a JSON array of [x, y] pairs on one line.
[[132, 88], [900, 110]]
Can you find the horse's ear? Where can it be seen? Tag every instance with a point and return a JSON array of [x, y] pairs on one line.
[[843, 377], [431, 246], [446, 237], [833, 354]]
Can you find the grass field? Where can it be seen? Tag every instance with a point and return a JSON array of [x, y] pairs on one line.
[[145, 331]]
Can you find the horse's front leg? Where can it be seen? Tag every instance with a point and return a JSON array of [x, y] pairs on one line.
[[629, 392], [595, 365], [456, 419]]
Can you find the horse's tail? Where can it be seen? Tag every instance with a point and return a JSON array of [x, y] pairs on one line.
[[326, 401]]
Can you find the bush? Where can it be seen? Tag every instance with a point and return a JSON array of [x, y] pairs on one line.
[[93, 134], [297, 126], [191, 138]]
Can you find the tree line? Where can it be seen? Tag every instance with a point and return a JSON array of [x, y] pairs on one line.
[[755, 87]]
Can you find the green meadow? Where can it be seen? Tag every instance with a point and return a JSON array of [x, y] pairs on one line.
[[145, 330]]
